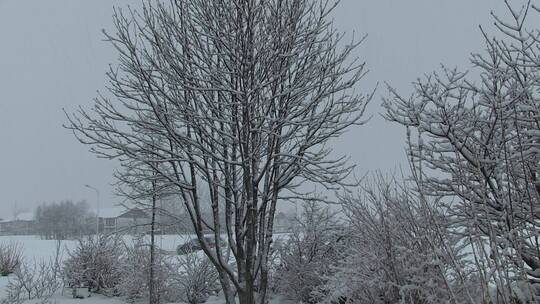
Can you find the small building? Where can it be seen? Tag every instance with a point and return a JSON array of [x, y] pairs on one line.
[[20, 224], [123, 220], [283, 222]]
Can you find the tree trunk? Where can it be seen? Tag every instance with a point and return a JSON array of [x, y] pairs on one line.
[[228, 292], [247, 296], [152, 286]]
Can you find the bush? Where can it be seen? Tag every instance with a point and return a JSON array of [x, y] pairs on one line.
[[108, 266], [10, 258], [135, 278], [306, 258], [33, 282], [135, 283], [189, 278], [96, 263], [401, 249], [192, 279]]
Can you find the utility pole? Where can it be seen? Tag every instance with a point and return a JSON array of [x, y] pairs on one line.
[[97, 205]]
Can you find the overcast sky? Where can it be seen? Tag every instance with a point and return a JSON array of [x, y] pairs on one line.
[[52, 56]]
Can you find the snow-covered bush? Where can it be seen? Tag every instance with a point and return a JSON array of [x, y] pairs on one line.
[[135, 282], [37, 281], [306, 258], [196, 280], [96, 263], [10, 258], [189, 278], [401, 251]]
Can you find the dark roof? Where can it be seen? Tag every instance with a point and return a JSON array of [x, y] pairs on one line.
[[134, 213]]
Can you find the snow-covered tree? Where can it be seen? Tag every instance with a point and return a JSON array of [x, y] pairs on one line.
[[238, 98], [474, 139]]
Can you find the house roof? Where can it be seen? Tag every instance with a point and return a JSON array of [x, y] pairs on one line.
[[111, 212], [24, 216], [119, 211], [134, 213]]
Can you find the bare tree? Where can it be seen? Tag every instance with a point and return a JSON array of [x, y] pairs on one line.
[[476, 143], [141, 185], [243, 97]]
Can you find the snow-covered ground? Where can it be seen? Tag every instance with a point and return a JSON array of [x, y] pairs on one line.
[[36, 248], [95, 299]]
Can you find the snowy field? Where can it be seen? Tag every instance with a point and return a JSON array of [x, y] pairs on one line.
[[36, 248]]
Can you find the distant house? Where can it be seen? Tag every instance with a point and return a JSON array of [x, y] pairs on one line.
[[20, 224], [283, 222], [123, 220]]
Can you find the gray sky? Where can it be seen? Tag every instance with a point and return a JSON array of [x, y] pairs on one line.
[[52, 56]]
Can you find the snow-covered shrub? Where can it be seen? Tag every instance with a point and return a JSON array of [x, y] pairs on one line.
[[37, 281], [135, 282], [10, 258], [96, 263], [193, 279], [521, 292], [189, 278], [306, 258], [401, 251]]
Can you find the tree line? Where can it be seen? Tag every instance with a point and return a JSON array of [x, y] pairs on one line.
[[64, 220]]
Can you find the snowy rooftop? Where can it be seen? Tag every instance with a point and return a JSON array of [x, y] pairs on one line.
[[111, 212], [25, 216]]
